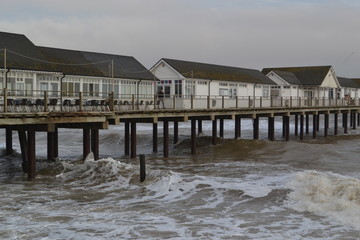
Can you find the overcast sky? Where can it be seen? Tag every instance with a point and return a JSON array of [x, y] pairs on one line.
[[241, 33]]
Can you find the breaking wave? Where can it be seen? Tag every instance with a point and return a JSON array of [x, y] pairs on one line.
[[327, 194]]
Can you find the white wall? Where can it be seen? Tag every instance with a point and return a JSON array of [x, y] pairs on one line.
[[164, 72], [330, 80]]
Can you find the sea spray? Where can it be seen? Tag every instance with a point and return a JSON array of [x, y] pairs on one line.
[[326, 194]]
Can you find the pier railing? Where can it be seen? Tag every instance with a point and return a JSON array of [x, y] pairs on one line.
[[56, 101]]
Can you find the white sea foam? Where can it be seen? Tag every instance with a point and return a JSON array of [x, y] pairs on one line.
[[328, 195], [100, 172]]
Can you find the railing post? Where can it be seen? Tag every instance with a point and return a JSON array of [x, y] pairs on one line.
[[249, 101], [80, 101], [271, 101], [291, 103], [192, 101], [237, 102], [222, 101], [261, 102], [111, 101], [174, 101], [208, 102], [281, 101], [46, 101], [133, 102], [142, 168], [155, 100], [5, 100]]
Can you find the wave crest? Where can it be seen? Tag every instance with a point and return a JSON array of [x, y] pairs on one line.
[[326, 194]]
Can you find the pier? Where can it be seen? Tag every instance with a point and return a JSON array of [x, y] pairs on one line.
[[305, 114]]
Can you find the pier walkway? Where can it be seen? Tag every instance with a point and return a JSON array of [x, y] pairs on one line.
[[27, 118]]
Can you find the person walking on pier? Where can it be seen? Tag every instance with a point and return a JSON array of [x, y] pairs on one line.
[[160, 97]]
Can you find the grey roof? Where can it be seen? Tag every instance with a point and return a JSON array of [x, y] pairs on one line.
[[17, 45], [124, 66], [217, 72], [289, 77], [348, 82], [23, 54], [312, 76], [357, 81]]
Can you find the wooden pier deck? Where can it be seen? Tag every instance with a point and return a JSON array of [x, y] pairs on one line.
[[28, 123]]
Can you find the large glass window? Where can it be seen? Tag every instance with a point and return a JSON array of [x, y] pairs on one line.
[[28, 86], [178, 88], [189, 88]]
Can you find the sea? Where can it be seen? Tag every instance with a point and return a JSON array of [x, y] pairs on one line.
[[237, 189]]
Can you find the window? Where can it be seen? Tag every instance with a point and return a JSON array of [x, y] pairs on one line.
[[202, 82], [233, 92], [178, 88], [189, 88], [265, 92], [54, 87], [223, 92], [20, 87], [28, 86]]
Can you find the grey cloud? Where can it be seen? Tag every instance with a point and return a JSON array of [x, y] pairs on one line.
[[235, 36]]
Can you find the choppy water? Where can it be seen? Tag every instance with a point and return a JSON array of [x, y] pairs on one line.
[[238, 189]]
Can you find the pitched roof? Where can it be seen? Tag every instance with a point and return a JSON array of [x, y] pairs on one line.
[[357, 81], [288, 77], [96, 64], [217, 72], [313, 75], [348, 82], [23, 54], [17, 46]]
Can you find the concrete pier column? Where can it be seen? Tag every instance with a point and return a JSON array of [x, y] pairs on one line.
[[214, 131], [127, 139], [256, 128], [326, 124], [345, 122], [24, 152], [336, 124], [199, 126], [193, 136], [237, 127], [271, 128], [318, 122], [166, 138], [50, 146], [86, 142], [296, 124], [133, 140], [95, 143], [221, 133], [9, 141], [283, 126], [31, 155], [287, 128], [155, 137], [354, 121], [176, 132], [302, 127], [56, 143], [314, 125], [307, 124]]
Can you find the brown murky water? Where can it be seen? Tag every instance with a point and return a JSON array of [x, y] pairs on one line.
[[238, 189]]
